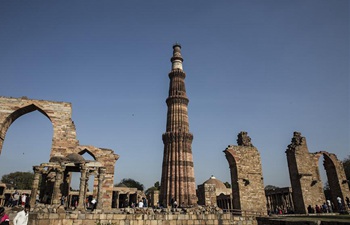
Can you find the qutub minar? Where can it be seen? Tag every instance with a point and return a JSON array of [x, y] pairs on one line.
[[177, 180]]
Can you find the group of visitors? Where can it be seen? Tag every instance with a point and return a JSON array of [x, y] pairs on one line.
[[90, 202], [21, 217], [142, 203], [16, 199], [328, 206]]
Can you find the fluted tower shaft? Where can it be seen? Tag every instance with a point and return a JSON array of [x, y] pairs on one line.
[[178, 180]]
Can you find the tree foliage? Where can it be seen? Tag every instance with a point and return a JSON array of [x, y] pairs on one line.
[[346, 165], [227, 184], [20, 180], [155, 187], [270, 187], [131, 183]]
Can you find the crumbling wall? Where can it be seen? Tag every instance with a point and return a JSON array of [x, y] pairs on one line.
[[64, 141], [305, 177], [59, 113], [246, 176], [108, 159]]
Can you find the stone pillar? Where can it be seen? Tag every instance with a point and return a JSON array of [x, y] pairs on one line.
[[246, 176], [101, 176], [56, 188], [117, 200], [35, 187], [82, 188], [128, 196]]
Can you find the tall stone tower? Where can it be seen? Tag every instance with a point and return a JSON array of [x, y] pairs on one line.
[[177, 172]]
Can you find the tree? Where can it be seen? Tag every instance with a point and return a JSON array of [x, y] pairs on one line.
[[20, 180], [346, 165], [270, 187], [227, 184], [131, 183], [155, 187]]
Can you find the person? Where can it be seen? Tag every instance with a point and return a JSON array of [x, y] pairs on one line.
[[140, 204], [347, 201], [63, 200], [21, 217], [93, 203], [318, 209], [175, 204], [4, 218], [324, 208], [37, 198], [23, 199], [339, 203], [309, 209], [330, 208], [15, 198], [144, 202]]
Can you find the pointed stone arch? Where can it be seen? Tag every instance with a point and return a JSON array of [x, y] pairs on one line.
[[305, 177], [230, 156], [107, 159], [13, 116], [87, 152], [335, 175], [59, 113]]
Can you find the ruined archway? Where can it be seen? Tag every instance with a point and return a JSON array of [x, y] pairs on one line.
[[64, 150], [230, 156], [59, 113], [246, 176], [336, 177], [305, 177]]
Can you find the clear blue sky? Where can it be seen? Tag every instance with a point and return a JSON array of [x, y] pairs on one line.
[[266, 67]]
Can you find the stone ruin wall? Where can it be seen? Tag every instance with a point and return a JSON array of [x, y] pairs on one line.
[[207, 194], [140, 218], [305, 177], [307, 190], [59, 113], [64, 141], [336, 175], [246, 176], [107, 158]]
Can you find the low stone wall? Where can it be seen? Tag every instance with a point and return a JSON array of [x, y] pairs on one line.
[[79, 218], [306, 220]]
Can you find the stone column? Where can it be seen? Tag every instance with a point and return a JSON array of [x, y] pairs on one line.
[[101, 176], [117, 200], [57, 185], [128, 196], [82, 188], [37, 171]]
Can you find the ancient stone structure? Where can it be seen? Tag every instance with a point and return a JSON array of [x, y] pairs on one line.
[[305, 177], [65, 156], [279, 198], [153, 198], [124, 196], [177, 180], [138, 216], [246, 176], [213, 192]]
